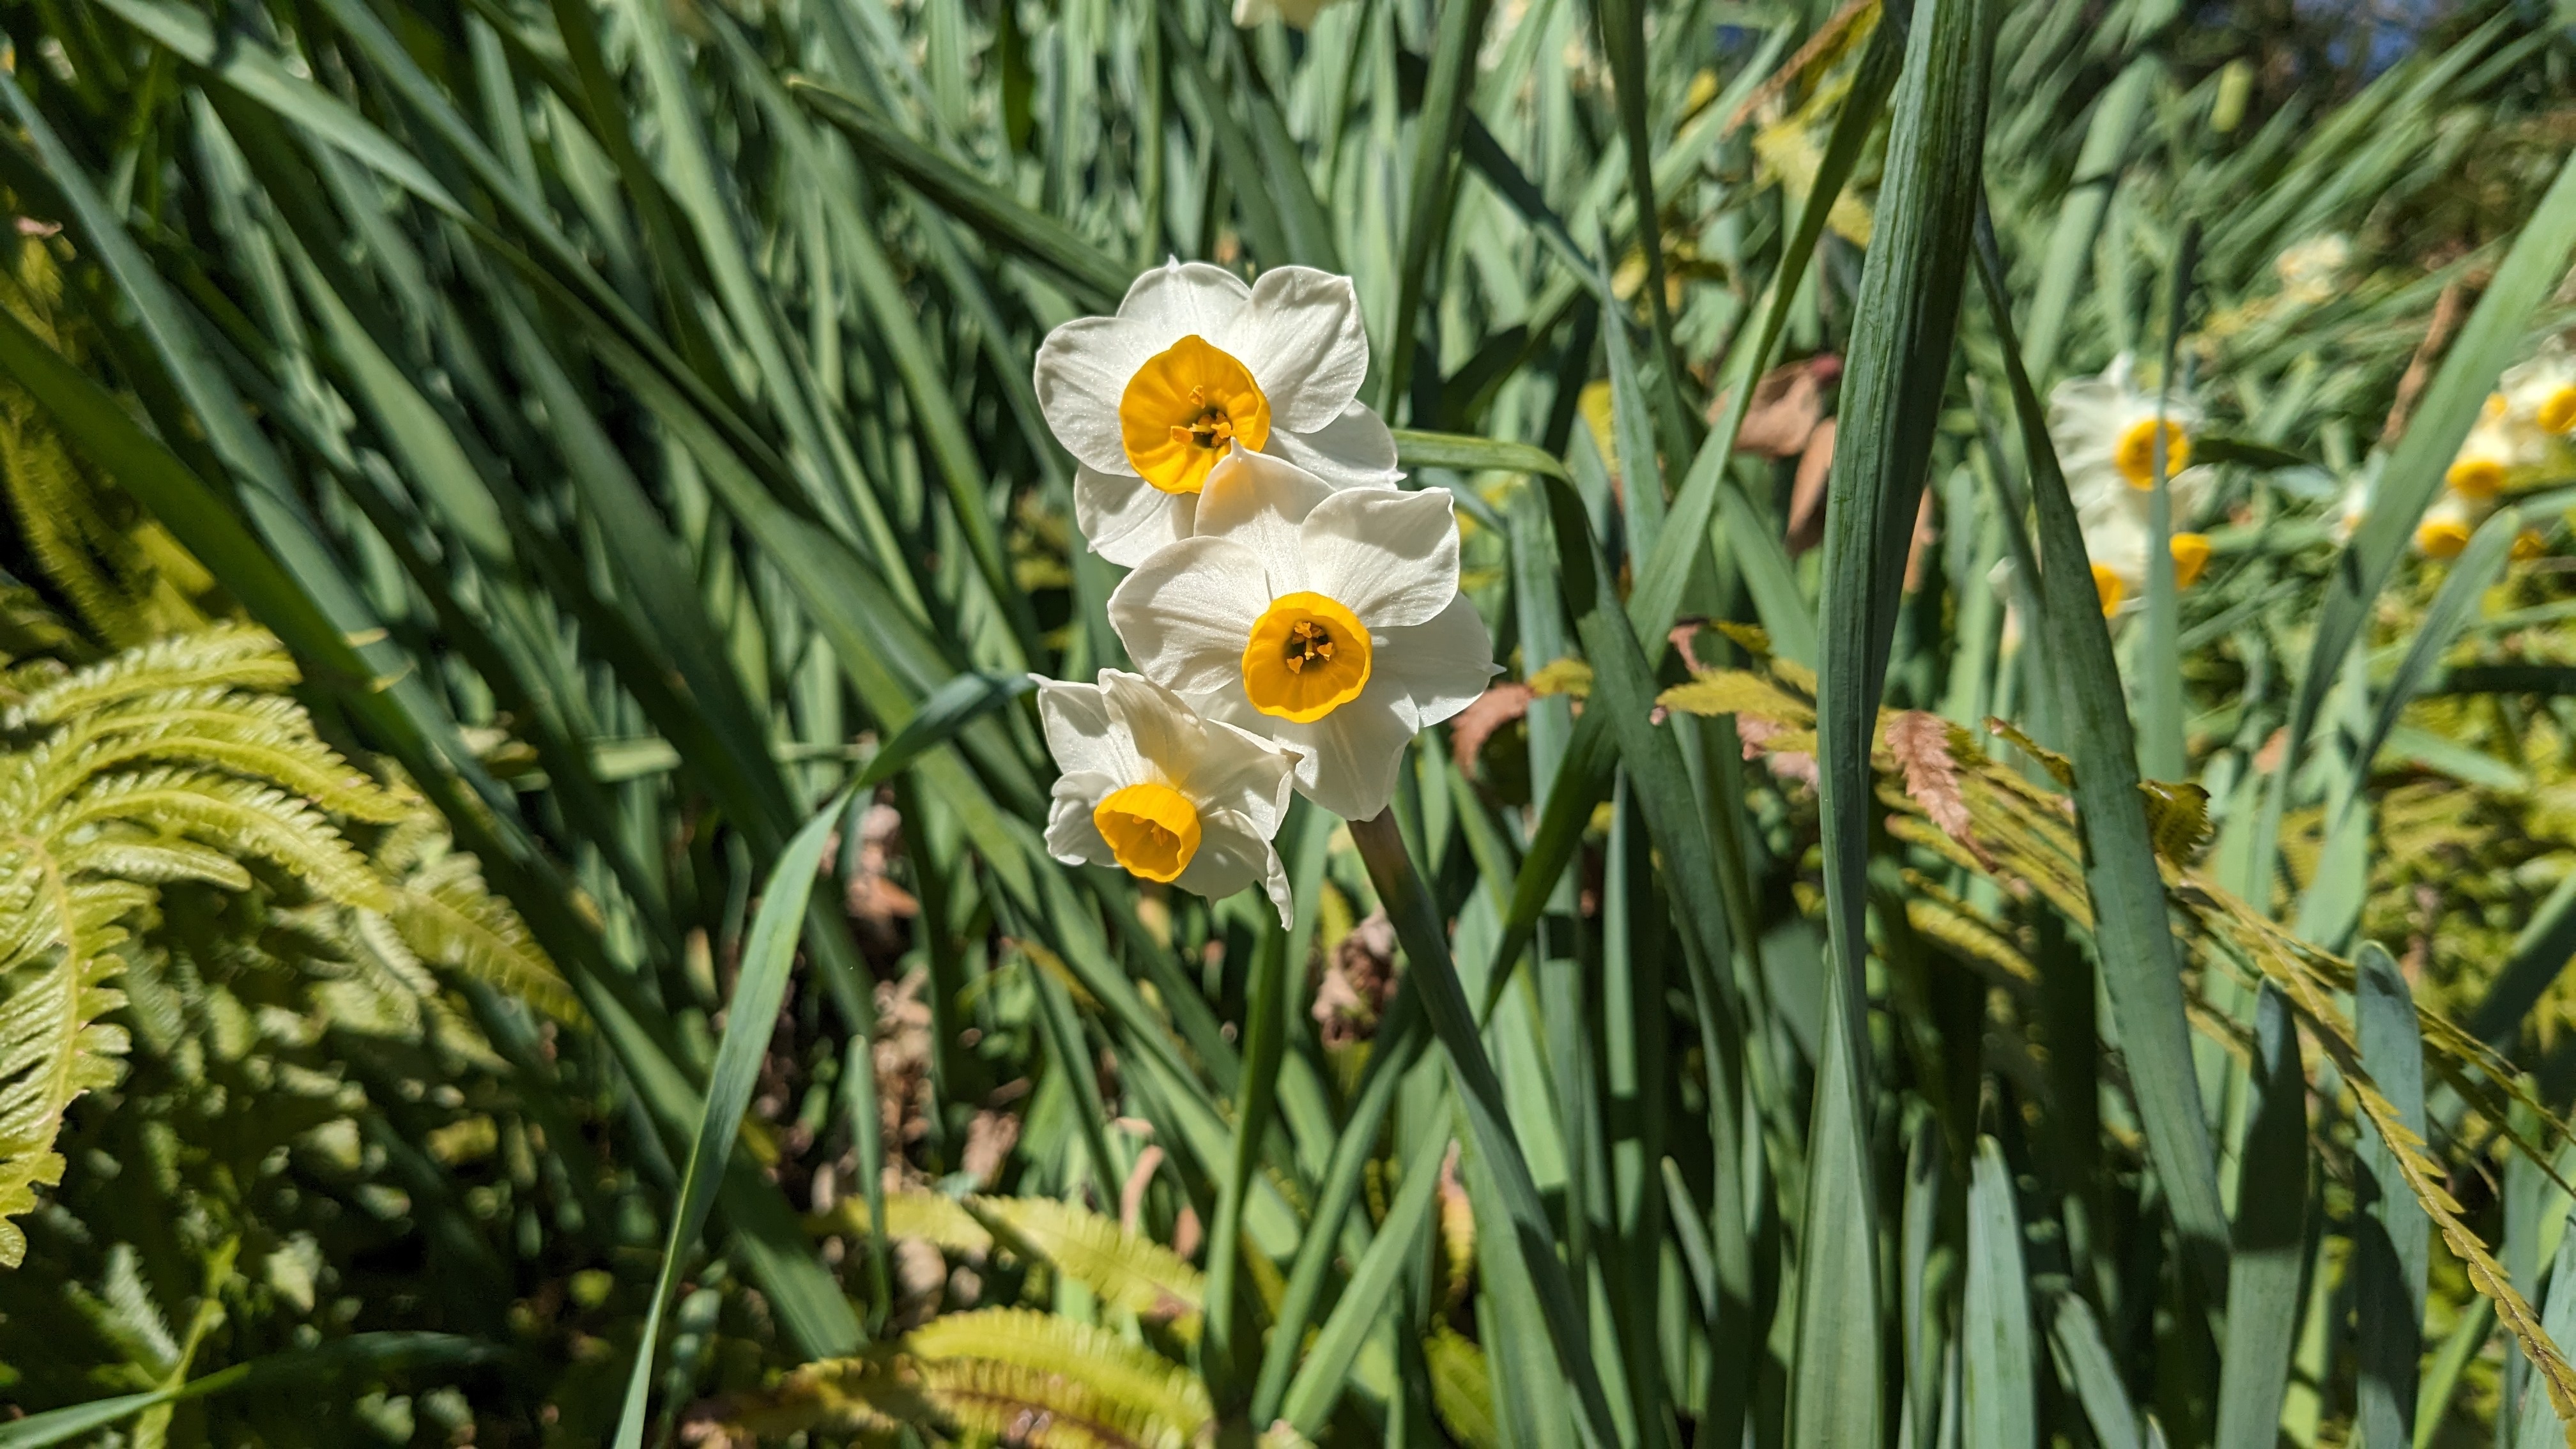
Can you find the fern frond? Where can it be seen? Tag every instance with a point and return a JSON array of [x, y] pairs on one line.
[[1116, 1371], [53, 1047], [1042, 1410], [1136, 1273], [157, 862], [446, 915], [237, 816], [934, 1218], [225, 655], [869, 1398]]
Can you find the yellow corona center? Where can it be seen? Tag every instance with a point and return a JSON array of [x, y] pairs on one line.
[[1153, 830], [2495, 407], [2135, 454], [2108, 585], [2442, 538], [1307, 657], [2558, 410], [1182, 410], [2476, 477], [2190, 556]]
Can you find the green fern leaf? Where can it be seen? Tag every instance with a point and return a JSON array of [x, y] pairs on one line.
[[53, 1047], [1138, 1274], [1112, 1370]]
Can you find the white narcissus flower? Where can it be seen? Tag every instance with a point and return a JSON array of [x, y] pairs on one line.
[[2105, 430], [1154, 789], [1196, 365], [2117, 546], [2446, 525], [2503, 448], [2542, 391], [1329, 620]]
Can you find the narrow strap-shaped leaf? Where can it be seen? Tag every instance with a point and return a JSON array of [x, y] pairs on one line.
[[1904, 321], [1319, 1382], [1480, 1094], [2393, 1241], [768, 955], [1995, 1346], [2086, 1366], [292, 1368], [1416, 449], [2133, 937], [1661, 579], [1098, 279], [2271, 1236], [2536, 1424], [1428, 204], [2454, 606]]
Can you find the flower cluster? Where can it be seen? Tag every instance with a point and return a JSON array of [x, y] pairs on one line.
[[2521, 437], [2105, 429], [1293, 612]]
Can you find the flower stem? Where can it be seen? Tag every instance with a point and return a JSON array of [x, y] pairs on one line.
[[1434, 976], [1264, 1035]]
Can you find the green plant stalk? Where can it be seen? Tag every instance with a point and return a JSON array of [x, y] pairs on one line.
[[1264, 1038], [1480, 1095]]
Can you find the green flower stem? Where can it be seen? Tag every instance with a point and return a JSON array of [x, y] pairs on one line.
[[1435, 977], [1264, 1035]]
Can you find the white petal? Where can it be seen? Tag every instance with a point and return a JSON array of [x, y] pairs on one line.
[[1441, 666], [1354, 450], [1262, 503], [1232, 855], [1187, 611], [1080, 733], [1353, 755], [1167, 733], [1071, 837], [1178, 299], [1302, 338], [1126, 517], [1083, 369], [1241, 771], [1391, 558]]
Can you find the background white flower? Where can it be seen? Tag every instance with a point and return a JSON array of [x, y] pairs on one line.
[[1151, 787], [1195, 365], [2105, 431], [2542, 390], [1330, 621]]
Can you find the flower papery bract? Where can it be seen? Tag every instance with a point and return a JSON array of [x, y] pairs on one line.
[[1198, 616], [1153, 788], [1197, 363]]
